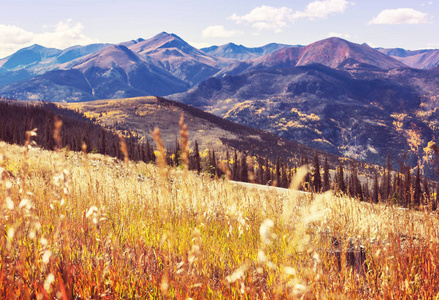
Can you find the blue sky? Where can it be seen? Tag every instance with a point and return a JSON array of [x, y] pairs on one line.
[[60, 23]]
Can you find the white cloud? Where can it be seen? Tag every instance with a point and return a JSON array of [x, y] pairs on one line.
[[220, 31], [266, 18], [275, 19], [340, 35], [400, 16], [12, 38], [322, 9], [62, 35]]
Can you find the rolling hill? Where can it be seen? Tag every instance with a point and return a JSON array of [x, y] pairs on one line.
[[142, 114]]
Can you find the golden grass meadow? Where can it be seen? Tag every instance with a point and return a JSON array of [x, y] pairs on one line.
[[78, 226]]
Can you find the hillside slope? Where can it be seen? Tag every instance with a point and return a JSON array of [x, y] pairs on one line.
[[143, 114], [360, 114]]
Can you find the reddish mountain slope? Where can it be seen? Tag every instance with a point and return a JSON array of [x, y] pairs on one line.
[[331, 52]]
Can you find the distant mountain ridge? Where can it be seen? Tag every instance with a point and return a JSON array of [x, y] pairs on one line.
[[176, 59], [418, 59], [241, 52], [39, 59]]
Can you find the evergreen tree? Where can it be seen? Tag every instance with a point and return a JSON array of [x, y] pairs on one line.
[[235, 174], [197, 158], [307, 180], [407, 187], [355, 188], [365, 190], [317, 180], [260, 172], [326, 176], [148, 154], [49, 142], [103, 143], [284, 175], [267, 174], [213, 164], [278, 179], [388, 177], [340, 179], [244, 168], [417, 188], [375, 188], [427, 200]]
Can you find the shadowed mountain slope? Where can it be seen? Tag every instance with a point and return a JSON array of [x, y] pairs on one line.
[[360, 114]]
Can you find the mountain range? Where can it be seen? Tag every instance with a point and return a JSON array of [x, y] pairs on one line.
[[165, 64], [334, 95]]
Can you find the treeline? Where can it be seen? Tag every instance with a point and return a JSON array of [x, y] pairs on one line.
[[389, 186], [17, 118], [385, 185], [245, 167]]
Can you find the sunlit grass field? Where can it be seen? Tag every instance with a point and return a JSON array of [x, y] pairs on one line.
[[93, 227]]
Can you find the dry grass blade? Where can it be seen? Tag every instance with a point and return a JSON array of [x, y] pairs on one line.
[[184, 142], [300, 176], [57, 133], [160, 154], [251, 175], [123, 148]]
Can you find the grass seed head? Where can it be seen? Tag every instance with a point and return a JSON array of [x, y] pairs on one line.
[[48, 282], [161, 154], [57, 133], [184, 142], [123, 148]]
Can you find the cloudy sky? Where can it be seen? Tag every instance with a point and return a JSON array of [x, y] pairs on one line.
[[61, 23]]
